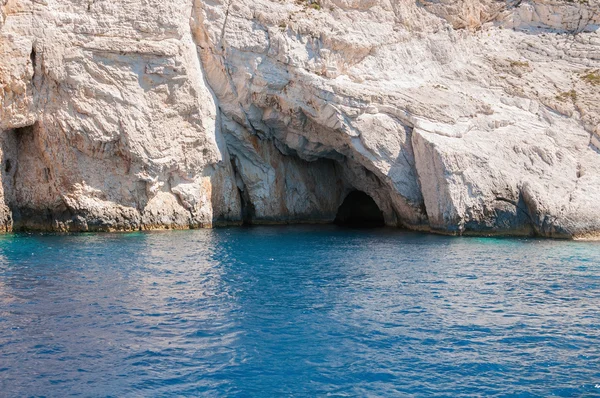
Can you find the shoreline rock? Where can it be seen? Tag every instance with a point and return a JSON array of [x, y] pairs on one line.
[[461, 117]]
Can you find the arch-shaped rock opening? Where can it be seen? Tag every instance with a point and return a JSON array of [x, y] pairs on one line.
[[359, 210]]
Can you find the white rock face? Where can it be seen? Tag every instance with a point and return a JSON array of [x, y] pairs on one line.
[[458, 117], [123, 131]]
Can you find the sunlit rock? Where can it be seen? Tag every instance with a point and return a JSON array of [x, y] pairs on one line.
[[458, 117]]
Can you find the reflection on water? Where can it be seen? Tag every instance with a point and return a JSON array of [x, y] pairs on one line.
[[300, 311]]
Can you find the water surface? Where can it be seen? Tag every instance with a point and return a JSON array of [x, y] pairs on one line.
[[297, 311]]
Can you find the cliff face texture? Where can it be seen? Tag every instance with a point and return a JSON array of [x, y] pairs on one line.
[[458, 117]]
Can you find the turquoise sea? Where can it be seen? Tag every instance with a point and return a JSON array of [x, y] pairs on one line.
[[299, 311]]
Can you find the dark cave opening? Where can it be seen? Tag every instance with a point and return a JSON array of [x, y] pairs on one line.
[[247, 208], [359, 210]]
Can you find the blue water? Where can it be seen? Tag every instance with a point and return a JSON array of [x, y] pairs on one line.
[[297, 311]]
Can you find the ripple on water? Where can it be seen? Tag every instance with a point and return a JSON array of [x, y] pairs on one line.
[[302, 311]]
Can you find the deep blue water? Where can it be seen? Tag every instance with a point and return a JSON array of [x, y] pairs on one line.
[[297, 311]]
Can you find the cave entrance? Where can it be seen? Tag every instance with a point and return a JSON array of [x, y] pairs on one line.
[[359, 210]]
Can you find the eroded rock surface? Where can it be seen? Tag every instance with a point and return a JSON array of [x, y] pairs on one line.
[[475, 116]]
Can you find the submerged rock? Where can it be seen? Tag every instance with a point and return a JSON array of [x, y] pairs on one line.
[[457, 117]]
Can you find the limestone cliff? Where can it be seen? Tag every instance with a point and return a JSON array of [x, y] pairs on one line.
[[475, 116]]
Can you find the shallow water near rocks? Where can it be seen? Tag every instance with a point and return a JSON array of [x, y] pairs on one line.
[[297, 311]]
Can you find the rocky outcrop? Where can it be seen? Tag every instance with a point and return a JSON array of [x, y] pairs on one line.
[[114, 126], [457, 117]]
